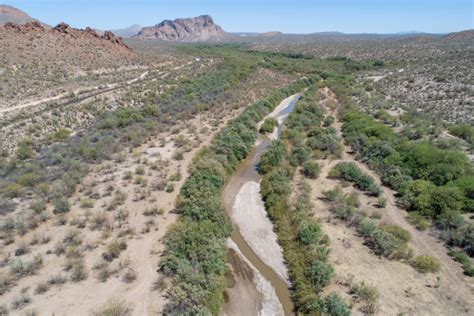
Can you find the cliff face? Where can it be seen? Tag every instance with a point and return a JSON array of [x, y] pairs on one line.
[[201, 28]]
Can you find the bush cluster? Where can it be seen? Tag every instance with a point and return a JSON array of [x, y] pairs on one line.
[[305, 246], [349, 171], [435, 184]]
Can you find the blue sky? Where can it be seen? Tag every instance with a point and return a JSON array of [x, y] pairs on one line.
[[297, 16]]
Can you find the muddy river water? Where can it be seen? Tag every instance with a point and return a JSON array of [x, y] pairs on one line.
[[258, 283]]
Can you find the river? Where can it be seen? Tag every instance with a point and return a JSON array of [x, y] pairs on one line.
[[258, 283]]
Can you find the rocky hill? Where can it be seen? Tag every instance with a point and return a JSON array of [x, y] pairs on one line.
[[33, 43], [201, 28], [14, 15]]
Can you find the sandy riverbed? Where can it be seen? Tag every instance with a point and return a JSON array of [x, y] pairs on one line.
[[250, 216]]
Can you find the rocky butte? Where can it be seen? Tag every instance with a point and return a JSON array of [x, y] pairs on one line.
[[201, 28]]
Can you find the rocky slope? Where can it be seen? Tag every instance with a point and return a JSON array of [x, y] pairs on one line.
[[14, 15], [32, 43], [201, 28]]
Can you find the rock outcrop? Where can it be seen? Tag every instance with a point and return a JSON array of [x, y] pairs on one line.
[[34, 43], [63, 29], [201, 28]]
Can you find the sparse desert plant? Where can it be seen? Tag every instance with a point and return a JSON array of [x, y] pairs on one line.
[[118, 199], [178, 155], [381, 202], [42, 288], [99, 220], [38, 206], [57, 279], [311, 169], [114, 307], [140, 170], [425, 264], [87, 203], [368, 294], [6, 283], [114, 249], [128, 175], [61, 205], [103, 271], [129, 276], [333, 194], [169, 187], [22, 249], [159, 284], [78, 271], [20, 301]]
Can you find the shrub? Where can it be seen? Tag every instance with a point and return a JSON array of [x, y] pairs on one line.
[[365, 292], [21, 301], [268, 125], [61, 134], [420, 222], [24, 151], [333, 194], [6, 283], [78, 270], [42, 288], [129, 276], [310, 231], [311, 169], [320, 274], [272, 157], [349, 171], [328, 121], [425, 264], [396, 231], [38, 206], [301, 154], [61, 205], [381, 202], [57, 279], [140, 170], [334, 305], [114, 249], [13, 190], [384, 243], [464, 260]]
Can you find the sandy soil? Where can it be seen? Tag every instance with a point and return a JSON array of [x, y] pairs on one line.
[[143, 234], [250, 216], [401, 288], [65, 94]]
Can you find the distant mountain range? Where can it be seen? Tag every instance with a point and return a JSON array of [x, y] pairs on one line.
[[204, 29], [128, 31]]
